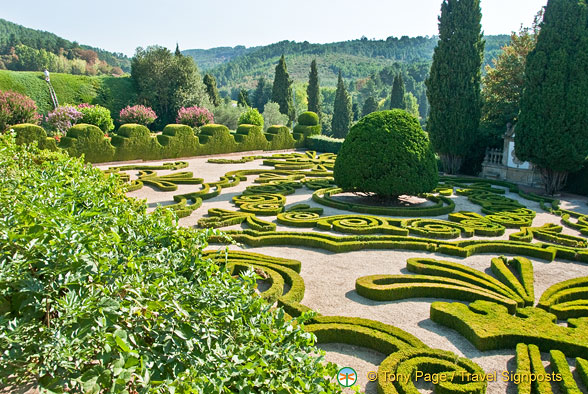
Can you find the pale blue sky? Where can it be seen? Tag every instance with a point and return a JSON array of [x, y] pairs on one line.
[[121, 26]]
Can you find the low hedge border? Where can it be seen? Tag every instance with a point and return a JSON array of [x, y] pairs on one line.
[[430, 361], [133, 141], [222, 218], [439, 279], [443, 205], [538, 368], [569, 290], [581, 223], [262, 204], [501, 267], [523, 368], [582, 370], [559, 364], [341, 244], [489, 326], [549, 232]]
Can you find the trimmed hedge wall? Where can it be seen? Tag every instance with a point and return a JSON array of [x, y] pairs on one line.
[[132, 141], [489, 326], [322, 143], [27, 133]]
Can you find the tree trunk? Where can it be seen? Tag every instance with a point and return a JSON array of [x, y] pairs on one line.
[[451, 163], [554, 180]]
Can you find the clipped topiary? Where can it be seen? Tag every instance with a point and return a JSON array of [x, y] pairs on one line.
[[387, 153], [308, 118], [308, 124]]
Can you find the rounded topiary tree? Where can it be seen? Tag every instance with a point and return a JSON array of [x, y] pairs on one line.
[[386, 153]]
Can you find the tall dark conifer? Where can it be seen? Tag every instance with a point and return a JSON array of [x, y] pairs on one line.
[[243, 99], [342, 113], [261, 95], [397, 96], [453, 86], [370, 105], [313, 90], [552, 131], [211, 89], [282, 90]]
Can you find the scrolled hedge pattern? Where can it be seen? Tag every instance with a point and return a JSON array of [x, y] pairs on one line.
[[263, 204], [489, 326], [567, 299]]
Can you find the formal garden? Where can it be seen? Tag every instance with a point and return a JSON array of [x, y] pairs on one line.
[[156, 238]]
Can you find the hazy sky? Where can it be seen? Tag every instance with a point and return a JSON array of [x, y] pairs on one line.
[[121, 26]]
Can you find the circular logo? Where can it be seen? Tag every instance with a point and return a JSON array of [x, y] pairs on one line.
[[347, 377]]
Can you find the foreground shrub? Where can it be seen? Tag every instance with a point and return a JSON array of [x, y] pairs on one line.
[[97, 116], [16, 108], [194, 116], [251, 116], [62, 118], [138, 114], [386, 153], [99, 296]]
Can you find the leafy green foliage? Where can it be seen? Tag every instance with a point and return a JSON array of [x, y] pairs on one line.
[[228, 115], [99, 295], [551, 132], [282, 90], [96, 115], [453, 87], [262, 94], [243, 99], [342, 111], [166, 82], [251, 116], [211, 89], [386, 153], [272, 115]]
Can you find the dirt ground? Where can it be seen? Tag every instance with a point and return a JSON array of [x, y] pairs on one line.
[[330, 277]]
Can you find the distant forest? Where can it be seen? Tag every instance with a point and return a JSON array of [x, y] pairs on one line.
[[24, 49]]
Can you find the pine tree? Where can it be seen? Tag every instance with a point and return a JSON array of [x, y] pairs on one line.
[[453, 86], [211, 89], [261, 95], [282, 90], [243, 100], [342, 110], [370, 105], [313, 90], [552, 131], [398, 91]]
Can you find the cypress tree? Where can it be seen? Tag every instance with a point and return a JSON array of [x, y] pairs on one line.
[[552, 131], [243, 100], [370, 105], [178, 53], [342, 110], [211, 89], [261, 96], [398, 91], [313, 90], [453, 86], [282, 90]]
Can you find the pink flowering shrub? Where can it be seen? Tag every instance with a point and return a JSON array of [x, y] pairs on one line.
[[194, 116], [139, 114], [16, 108], [63, 118]]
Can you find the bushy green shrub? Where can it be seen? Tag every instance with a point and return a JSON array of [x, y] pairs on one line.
[[279, 137], [251, 116], [96, 115], [387, 153], [308, 118], [227, 115], [29, 133], [95, 277], [16, 108], [272, 115]]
